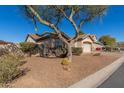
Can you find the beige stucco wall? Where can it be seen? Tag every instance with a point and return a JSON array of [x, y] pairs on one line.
[[88, 39], [29, 39], [80, 43], [94, 37], [93, 45]]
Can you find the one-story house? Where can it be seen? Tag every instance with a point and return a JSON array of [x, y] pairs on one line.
[[88, 42], [47, 39]]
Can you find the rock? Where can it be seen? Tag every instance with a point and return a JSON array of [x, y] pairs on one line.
[[67, 68]]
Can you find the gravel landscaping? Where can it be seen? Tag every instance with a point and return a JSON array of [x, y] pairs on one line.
[[49, 73]]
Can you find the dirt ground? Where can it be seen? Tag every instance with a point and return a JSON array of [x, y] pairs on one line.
[[49, 73]]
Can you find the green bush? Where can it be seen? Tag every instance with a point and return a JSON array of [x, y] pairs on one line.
[[65, 61], [9, 68], [76, 50], [28, 47]]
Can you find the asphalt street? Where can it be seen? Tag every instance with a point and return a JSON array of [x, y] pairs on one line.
[[116, 80]]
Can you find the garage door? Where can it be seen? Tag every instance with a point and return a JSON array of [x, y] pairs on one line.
[[87, 48]]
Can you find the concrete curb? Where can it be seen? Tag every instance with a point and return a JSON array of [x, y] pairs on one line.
[[100, 76]]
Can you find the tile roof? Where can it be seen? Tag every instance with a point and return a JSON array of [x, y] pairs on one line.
[[35, 36], [81, 37], [46, 35]]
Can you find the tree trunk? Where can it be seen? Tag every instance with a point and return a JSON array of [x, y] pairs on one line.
[[69, 55]]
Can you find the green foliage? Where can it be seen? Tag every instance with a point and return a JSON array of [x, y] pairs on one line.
[[9, 68], [108, 41], [27, 46], [77, 50], [65, 61], [81, 32], [54, 15]]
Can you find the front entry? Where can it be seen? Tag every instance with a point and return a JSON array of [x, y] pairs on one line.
[[86, 48]]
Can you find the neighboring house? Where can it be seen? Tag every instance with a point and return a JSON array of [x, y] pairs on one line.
[[3, 43], [88, 43]]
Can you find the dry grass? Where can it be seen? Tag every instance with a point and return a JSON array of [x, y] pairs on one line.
[[9, 68]]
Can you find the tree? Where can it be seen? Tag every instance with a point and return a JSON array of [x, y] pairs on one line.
[[81, 32], [27, 47], [52, 16], [107, 40]]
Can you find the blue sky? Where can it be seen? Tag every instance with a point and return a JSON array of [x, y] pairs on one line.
[[14, 26]]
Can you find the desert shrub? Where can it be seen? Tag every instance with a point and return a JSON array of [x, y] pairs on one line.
[[65, 61], [9, 68], [76, 50], [66, 64], [3, 51], [27, 47]]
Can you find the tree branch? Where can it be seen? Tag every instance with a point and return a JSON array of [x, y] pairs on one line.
[[89, 18], [61, 10], [72, 14], [83, 21], [41, 20], [70, 19], [52, 26]]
